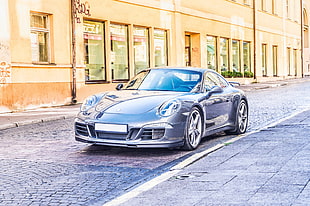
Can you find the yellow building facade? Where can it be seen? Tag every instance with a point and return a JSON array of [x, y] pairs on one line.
[[59, 52]]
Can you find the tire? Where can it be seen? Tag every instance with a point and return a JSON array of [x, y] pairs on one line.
[[241, 123], [193, 130]]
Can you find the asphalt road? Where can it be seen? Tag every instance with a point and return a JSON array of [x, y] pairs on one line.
[[42, 164]]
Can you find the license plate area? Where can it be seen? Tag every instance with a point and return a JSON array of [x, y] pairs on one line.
[[112, 128]]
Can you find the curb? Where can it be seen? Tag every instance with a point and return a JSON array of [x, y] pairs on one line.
[[36, 121]]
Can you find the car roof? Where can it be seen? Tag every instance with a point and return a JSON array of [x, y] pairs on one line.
[[185, 68]]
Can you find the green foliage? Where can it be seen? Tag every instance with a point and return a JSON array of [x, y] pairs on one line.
[[248, 74], [230, 74], [227, 74]]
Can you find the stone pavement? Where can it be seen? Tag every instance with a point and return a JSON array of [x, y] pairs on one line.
[[267, 167]]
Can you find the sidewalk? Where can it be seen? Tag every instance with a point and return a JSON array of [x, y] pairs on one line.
[[267, 167], [16, 119]]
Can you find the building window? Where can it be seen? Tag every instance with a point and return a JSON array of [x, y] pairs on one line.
[[274, 7], [275, 60], [264, 60], [287, 9], [246, 2], [236, 55], [211, 52], [224, 54], [295, 61], [119, 52], [40, 32], [160, 44], [263, 5], [188, 50], [94, 51], [141, 48], [246, 56], [288, 61]]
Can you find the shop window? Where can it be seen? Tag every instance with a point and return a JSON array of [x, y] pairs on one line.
[[236, 55], [246, 56], [188, 50], [264, 59], [211, 52], [295, 61], [39, 36], [275, 60], [287, 9], [224, 54], [274, 7], [246, 2], [119, 52], [160, 44], [263, 5], [141, 48], [288, 61], [94, 51]]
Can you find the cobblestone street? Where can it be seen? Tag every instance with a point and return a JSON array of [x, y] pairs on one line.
[[42, 164]]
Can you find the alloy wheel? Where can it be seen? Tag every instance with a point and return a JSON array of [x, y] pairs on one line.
[[242, 116], [194, 130]]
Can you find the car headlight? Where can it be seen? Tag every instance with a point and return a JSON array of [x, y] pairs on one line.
[[169, 108], [89, 102]]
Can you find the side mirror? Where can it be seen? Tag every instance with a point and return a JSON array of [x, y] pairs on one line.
[[119, 86], [216, 89], [234, 84]]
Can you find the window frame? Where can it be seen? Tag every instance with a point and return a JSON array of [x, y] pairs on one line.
[[46, 31], [165, 49], [215, 52], [264, 60], [238, 67], [127, 50], [87, 81], [221, 61], [248, 43], [147, 48], [275, 51]]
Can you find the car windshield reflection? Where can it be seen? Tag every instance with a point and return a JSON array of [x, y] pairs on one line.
[[165, 80]]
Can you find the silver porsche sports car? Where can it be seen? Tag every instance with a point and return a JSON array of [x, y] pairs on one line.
[[163, 107]]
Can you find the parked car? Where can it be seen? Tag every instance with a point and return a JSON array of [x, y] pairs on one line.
[[161, 108]]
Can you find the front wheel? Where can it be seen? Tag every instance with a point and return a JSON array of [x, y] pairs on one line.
[[241, 123], [193, 130]]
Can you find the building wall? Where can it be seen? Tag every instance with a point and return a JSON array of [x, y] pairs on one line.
[[29, 83]]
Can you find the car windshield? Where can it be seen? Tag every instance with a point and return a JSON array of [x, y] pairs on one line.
[[165, 80]]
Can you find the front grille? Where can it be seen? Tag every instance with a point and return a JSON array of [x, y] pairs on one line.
[[81, 129], [104, 135], [152, 134]]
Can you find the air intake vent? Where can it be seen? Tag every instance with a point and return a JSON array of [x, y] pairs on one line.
[[149, 134]]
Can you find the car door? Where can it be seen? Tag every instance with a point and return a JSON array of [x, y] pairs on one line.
[[217, 105]]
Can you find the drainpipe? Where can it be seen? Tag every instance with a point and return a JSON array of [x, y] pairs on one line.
[[73, 60], [302, 37], [254, 38]]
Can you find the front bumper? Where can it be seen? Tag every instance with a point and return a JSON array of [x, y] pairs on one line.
[[151, 135]]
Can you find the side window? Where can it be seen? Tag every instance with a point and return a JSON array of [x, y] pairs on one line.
[[209, 82], [220, 81], [212, 79]]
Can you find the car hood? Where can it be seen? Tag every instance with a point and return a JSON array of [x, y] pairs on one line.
[[133, 101]]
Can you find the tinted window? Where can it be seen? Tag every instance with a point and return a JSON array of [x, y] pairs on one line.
[[165, 80], [213, 79]]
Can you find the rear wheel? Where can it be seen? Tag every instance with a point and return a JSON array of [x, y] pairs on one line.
[[241, 123], [193, 131]]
